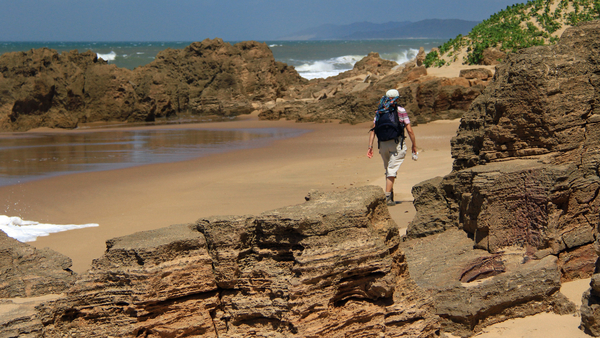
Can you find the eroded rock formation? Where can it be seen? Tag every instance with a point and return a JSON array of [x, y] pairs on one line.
[[331, 267], [527, 163], [42, 88], [214, 78], [352, 96], [26, 272]]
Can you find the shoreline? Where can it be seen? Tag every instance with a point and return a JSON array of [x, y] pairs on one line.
[[249, 181]]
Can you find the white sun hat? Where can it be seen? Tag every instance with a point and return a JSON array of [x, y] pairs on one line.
[[392, 93]]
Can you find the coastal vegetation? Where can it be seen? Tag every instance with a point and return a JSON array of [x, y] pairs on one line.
[[535, 23]]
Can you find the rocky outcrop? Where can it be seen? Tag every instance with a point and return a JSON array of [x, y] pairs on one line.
[[331, 267], [42, 88], [473, 288], [214, 78], [28, 272], [526, 153], [493, 56], [352, 96], [526, 170]]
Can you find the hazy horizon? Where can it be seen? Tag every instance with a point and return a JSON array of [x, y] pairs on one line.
[[196, 20]]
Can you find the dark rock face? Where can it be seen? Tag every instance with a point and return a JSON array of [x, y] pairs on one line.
[[214, 78], [330, 267], [28, 272], [527, 158], [42, 88]]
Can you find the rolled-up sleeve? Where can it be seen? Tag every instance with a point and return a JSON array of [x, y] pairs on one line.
[[403, 115]]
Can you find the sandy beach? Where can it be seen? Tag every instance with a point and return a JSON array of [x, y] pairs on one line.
[[329, 157]]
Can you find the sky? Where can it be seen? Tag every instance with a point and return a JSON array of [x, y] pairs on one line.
[[230, 20]]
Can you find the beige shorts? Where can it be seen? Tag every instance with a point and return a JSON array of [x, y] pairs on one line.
[[393, 155]]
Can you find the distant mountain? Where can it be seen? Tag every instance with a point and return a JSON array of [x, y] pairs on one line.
[[431, 28]]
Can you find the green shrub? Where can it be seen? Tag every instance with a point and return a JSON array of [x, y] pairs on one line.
[[506, 30]]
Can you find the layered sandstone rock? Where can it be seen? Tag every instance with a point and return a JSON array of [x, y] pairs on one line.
[[28, 272], [473, 288], [527, 156], [330, 267]]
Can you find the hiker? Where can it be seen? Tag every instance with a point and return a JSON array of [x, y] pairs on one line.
[[389, 129]]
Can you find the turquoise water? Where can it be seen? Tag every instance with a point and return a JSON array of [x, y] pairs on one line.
[[312, 59]]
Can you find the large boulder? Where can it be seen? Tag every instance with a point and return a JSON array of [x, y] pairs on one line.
[[213, 77], [28, 272], [330, 267], [493, 56], [473, 288], [42, 88]]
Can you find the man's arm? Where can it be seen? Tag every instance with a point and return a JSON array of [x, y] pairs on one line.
[[411, 135], [371, 139]]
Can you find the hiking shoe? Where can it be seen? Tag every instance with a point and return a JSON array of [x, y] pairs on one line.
[[390, 201]]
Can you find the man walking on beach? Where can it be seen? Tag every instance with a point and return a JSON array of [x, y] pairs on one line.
[[390, 138]]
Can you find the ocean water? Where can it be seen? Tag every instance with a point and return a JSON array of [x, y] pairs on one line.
[[312, 59]]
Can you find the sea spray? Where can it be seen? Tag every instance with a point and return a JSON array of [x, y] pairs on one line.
[[29, 231], [107, 57]]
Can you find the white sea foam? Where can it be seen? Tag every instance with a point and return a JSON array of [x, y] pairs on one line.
[[274, 45], [29, 231], [327, 68], [107, 57], [334, 66], [406, 55]]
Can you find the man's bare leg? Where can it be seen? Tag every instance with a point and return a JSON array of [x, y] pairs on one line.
[[389, 190], [389, 184]]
